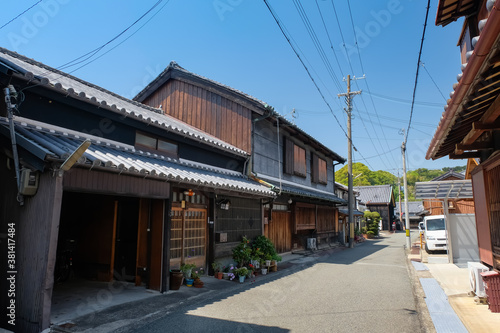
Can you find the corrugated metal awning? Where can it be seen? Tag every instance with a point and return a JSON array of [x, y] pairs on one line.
[[451, 189], [56, 144]]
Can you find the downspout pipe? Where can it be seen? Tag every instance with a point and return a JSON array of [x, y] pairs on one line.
[[483, 47]]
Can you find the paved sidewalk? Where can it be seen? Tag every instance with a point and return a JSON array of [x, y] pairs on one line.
[[454, 282]]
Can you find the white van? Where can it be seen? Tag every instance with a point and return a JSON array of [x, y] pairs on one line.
[[435, 233]]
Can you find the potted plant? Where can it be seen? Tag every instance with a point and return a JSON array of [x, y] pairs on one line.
[[187, 271], [265, 248], [217, 270], [274, 263], [195, 275], [242, 273], [267, 258], [242, 253]]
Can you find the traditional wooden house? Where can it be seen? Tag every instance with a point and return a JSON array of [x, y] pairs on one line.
[[134, 190], [456, 205], [379, 198], [469, 126], [285, 158]]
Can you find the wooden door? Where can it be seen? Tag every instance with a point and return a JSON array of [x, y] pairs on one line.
[[156, 245], [279, 231], [188, 240]]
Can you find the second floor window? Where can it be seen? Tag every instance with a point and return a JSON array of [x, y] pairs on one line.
[[295, 159], [319, 170], [155, 144]]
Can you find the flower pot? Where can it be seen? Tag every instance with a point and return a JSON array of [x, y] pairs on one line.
[[225, 276], [263, 271], [274, 266], [198, 283], [176, 277], [242, 278], [268, 263], [189, 282], [219, 275]]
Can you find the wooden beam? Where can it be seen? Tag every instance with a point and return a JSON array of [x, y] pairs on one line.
[[480, 126], [462, 156], [474, 146]]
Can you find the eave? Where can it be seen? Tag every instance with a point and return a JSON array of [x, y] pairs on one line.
[[474, 105]]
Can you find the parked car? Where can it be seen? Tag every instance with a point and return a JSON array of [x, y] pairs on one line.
[[435, 234]]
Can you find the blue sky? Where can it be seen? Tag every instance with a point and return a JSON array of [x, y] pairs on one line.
[[238, 43]]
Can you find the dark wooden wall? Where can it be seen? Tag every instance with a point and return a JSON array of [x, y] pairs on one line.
[[37, 225], [111, 183], [326, 219], [244, 218], [206, 110]]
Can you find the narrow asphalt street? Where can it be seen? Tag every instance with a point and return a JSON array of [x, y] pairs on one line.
[[365, 289]]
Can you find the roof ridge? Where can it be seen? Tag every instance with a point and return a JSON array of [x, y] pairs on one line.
[[34, 62]]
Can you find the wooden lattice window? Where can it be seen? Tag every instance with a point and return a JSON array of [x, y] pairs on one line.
[[188, 233], [494, 203]]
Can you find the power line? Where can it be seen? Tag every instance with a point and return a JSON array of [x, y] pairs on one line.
[[352, 70], [303, 64], [92, 53], [367, 85], [123, 41], [418, 67], [435, 84], [316, 42], [329, 39], [15, 18]]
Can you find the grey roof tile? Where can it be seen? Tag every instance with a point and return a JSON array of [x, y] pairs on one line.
[[85, 91], [374, 194], [58, 142]]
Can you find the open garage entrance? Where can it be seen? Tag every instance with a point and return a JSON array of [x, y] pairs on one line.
[[108, 239]]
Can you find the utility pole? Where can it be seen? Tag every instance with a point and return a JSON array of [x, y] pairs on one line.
[[407, 217], [400, 207], [350, 202]]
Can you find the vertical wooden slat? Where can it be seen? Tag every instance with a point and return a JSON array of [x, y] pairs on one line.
[[157, 221], [113, 243], [142, 238]]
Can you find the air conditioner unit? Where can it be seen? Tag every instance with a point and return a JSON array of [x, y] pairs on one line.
[[475, 278], [311, 244]]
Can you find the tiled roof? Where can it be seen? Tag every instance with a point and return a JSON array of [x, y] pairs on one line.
[[414, 207], [38, 73], [446, 189], [311, 193], [57, 143], [448, 174], [256, 103], [302, 190], [374, 194]]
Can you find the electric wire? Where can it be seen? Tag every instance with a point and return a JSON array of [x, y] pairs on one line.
[[435, 84], [123, 41], [316, 42], [352, 71], [95, 51], [418, 67], [280, 25], [19, 15], [366, 80], [329, 39]]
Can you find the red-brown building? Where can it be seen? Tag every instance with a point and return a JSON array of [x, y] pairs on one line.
[[470, 124]]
